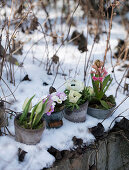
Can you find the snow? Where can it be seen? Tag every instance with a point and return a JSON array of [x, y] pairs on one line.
[[34, 65]]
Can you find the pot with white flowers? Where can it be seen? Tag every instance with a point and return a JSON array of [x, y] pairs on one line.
[[29, 125], [77, 101], [55, 109], [101, 106]]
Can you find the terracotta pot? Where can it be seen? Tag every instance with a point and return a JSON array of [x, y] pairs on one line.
[[54, 120], [99, 113], [3, 118], [77, 115], [27, 136]]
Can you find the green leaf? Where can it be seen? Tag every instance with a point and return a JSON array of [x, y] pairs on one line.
[[33, 111], [95, 84], [39, 115], [104, 104], [105, 81], [25, 111], [110, 81]]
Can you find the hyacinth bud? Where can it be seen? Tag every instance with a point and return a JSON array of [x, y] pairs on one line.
[[98, 63]]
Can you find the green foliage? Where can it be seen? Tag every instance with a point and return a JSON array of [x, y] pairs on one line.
[[105, 103], [85, 96], [39, 115], [26, 109], [32, 120], [100, 88]]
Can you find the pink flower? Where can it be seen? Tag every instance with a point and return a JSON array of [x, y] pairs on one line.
[[104, 72], [95, 78], [51, 109], [93, 72], [49, 106], [95, 67], [100, 79], [63, 96]]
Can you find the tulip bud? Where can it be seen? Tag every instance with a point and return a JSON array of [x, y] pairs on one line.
[[25, 103], [39, 108]]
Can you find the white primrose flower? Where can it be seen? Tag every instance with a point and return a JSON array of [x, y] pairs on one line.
[[55, 98], [63, 96], [74, 96], [59, 101], [53, 94], [75, 85], [25, 103], [54, 104]]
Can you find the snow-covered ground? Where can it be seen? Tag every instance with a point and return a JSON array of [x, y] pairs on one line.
[[34, 65]]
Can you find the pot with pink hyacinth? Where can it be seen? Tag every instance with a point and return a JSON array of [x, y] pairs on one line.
[[100, 105], [54, 109]]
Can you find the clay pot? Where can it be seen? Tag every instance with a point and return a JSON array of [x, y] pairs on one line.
[[3, 118], [54, 120], [77, 115], [99, 113], [27, 136]]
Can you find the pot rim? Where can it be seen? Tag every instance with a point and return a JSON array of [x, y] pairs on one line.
[[27, 130], [102, 109]]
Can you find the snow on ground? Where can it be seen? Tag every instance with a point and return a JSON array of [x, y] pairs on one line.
[[37, 156]]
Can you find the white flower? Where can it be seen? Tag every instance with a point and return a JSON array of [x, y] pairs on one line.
[[91, 91], [59, 101], [63, 96], [53, 94], [75, 85], [74, 96], [54, 104], [55, 98], [25, 103]]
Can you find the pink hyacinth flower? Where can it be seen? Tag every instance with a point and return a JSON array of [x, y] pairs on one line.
[[104, 73], [95, 78], [93, 72], [100, 79]]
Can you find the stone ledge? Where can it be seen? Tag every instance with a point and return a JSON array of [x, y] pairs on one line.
[[110, 153]]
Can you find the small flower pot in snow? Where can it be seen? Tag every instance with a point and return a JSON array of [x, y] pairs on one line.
[[100, 105], [54, 109], [54, 120], [28, 136], [99, 113], [77, 115], [29, 126], [77, 101], [3, 118]]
